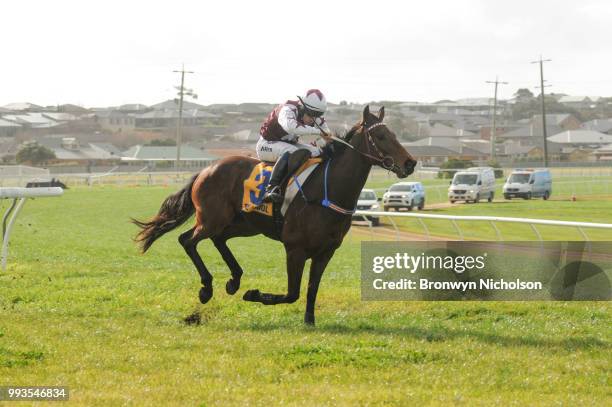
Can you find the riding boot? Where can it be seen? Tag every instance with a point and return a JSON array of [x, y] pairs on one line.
[[273, 190]]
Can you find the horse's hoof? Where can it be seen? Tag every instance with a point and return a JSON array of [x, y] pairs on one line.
[[206, 294], [309, 319], [232, 286], [251, 295]]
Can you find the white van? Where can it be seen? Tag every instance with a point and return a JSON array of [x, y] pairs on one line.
[[473, 184], [527, 183]]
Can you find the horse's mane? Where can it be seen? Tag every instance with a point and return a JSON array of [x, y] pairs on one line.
[[339, 147]]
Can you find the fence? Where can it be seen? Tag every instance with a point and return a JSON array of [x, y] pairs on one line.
[[580, 226]]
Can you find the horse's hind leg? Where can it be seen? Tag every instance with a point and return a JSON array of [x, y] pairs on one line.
[[234, 230], [295, 267], [189, 240], [233, 284]]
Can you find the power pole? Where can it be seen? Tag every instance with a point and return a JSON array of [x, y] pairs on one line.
[[541, 62], [494, 128], [179, 126]]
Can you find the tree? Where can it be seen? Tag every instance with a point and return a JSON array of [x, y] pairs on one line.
[[523, 94], [164, 142], [453, 164], [35, 154]]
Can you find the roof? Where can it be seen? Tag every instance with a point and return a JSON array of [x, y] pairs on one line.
[[163, 153], [604, 149], [22, 106], [171, 104], [551, 118], [440, 130], [601, 125], [85, 151], [531, 131], [436, 141], [174, 114], [133, 107], [6, 123], [35, 120], [583, 137], [60, 117], [430, 151], [574, 99]]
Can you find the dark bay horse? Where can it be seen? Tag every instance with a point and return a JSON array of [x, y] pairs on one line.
[[310, 229]]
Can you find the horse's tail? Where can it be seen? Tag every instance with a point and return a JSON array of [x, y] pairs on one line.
[[174, 211]]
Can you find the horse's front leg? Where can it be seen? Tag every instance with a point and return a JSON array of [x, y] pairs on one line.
[[317, 267], [296, 258]]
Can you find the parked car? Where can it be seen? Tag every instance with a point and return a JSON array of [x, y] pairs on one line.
[[404, 195], [528, 183], [368, 202], [473, 184]]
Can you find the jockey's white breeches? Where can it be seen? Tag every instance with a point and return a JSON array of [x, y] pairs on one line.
[[272, 150]]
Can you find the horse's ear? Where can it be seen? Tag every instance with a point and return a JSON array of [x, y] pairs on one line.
[[381, 113], [366, 113]]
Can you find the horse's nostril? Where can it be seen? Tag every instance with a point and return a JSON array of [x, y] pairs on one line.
[[409, 166]]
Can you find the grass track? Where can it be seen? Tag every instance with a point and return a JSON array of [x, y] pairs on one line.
[[80, 307]]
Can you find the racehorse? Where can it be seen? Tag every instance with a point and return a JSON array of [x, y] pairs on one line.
[[314, 225]]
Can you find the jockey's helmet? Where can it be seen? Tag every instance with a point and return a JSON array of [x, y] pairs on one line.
[[314, 102]]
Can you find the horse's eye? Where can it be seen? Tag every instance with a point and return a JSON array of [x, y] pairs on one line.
[[380, 136]]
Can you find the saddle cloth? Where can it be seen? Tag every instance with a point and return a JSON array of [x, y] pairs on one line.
[[255, 187]]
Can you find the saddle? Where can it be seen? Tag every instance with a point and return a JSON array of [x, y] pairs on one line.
[[255, 187]]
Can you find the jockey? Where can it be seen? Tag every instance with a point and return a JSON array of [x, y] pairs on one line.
[[280, 133]]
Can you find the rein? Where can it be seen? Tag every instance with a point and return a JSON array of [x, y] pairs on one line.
[[385, 161]]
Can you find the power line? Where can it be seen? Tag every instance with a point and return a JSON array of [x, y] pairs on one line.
[[179, 126], [494, 128], [541, 62]]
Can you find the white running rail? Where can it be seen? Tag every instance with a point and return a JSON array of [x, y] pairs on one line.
[[455, 220], [19, 196]]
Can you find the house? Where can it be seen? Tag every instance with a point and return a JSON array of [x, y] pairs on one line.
[[436, 155], [173, 104], [528, 135], [69, 149], [23, 107], [114, 120], [162, 156], [565, 121], [581, 138], [441, 130], [32, 120], [600, 125], [8, 128], [603, 153], [579, 102], [157, 119]]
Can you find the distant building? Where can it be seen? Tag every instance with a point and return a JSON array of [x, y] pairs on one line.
[[579, 102], [69, 149], [581, 138], [565, 121], [8, 128], [600, 125], [161, 156], [603, 153]]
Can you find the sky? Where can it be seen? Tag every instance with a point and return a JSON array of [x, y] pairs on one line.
[[114, 52]]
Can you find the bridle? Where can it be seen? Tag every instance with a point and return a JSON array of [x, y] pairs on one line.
[[385, 161]]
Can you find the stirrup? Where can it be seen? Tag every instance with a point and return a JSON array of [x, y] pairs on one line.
[[273, 195]]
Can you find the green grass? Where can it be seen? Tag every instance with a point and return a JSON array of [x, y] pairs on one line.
[[80, 307]]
